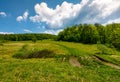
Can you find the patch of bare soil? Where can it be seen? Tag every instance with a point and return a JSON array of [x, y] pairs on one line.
[[74, 62], [106, 62]]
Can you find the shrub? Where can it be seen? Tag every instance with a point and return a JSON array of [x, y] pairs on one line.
[[103, 49], [34, 39]]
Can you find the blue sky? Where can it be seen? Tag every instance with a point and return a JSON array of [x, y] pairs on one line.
[[52, 16]]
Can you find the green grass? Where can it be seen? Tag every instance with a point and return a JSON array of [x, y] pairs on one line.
[[52, 70]]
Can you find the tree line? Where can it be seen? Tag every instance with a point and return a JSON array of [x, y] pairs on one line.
[[92, 34], [25, 37], [82, 33]]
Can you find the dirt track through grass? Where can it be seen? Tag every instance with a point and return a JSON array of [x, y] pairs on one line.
[[106, 62], [72, 60]]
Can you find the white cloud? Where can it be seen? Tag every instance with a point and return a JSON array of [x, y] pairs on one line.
[[23, 18], [98, 11], [27, 31], [87, 11], [25, 15], [6, 32], [3, 14], [105, 7], [19, 18], [55, 32], [57, 17]]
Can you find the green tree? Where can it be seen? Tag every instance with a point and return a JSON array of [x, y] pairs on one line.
[[101, 31], [89, 34]]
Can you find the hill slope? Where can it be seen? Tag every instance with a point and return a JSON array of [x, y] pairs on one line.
[[58, 68]]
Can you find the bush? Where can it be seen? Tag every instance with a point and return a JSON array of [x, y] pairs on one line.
[[103, 49], [34, 39], [116, 44]]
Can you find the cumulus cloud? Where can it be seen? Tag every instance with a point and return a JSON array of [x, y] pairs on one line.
[[19, 18], [87, 11], [100, 11], [57, 17], [27, 31], [3, 14], [23, 18], [6, 32], [55, 32]]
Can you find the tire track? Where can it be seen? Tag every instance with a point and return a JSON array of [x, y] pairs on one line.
[[106, 62]]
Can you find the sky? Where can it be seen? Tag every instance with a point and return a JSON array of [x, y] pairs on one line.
[[52, 16]]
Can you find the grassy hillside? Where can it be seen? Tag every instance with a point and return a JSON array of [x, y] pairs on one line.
[[55, 69]]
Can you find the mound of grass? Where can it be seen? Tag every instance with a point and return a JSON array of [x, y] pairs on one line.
[[25, 53]]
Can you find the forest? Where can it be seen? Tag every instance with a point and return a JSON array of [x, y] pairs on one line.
[[25, 37], [92, 34]]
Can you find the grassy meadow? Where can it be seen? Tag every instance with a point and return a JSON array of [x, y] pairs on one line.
[[55, 69]]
